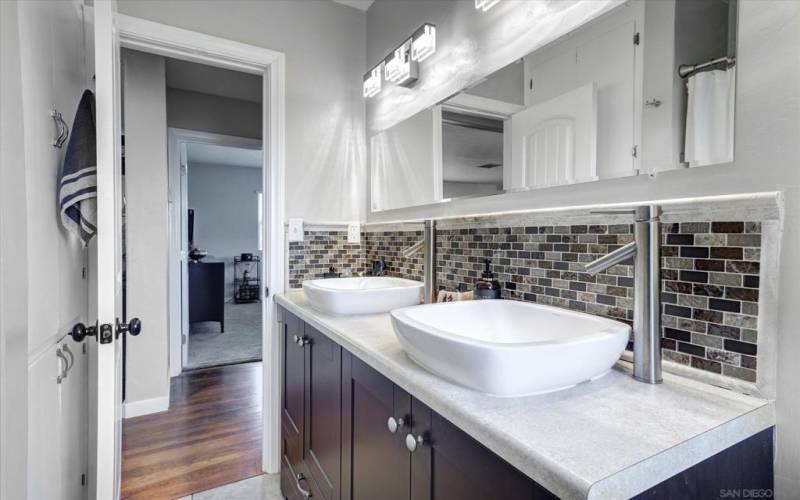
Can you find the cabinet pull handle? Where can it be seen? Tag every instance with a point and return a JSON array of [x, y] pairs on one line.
[[306, 493], [71, 357], [63, 358], [413, 442], [301, 341], [395, 423]]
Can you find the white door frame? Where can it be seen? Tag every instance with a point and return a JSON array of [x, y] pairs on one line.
[[177, 198], [169, 41]]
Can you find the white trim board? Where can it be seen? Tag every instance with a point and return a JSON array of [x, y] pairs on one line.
[[177, 200], [161, 39], [145, 407]]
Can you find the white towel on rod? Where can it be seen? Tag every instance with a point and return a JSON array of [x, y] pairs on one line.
[[709, 117]]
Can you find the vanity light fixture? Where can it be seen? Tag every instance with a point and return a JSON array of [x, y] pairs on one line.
[[485, 5], [423, 42], [399, 68], [372, 81]]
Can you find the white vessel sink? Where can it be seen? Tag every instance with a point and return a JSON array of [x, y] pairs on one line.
[[369, 295], [509, 348]]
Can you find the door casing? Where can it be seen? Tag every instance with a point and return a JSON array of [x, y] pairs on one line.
[[155, 38]]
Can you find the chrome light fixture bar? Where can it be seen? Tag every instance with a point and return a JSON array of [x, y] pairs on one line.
[[423, 42], [373, 82], [485, 5], [399, 68]]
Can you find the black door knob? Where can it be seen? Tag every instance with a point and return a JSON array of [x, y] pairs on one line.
[[81, 331], [135, 326]]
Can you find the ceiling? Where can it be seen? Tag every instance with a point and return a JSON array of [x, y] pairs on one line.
[[223, 155], [464, 150], [195, 77], [356, 4]]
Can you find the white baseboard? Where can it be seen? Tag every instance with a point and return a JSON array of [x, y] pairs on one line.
[[146, 407]]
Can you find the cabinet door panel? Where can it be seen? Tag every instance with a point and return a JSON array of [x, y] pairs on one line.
[[380, 461], [288, 484], [72, 423], [44, 442], [293, 390], [460, 468], [323, 405]]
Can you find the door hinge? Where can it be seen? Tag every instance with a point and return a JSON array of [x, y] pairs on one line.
[[83, 273], [183, 338], [266, 292], [635, 151], [530, 84], [83, 479], [636, 38]]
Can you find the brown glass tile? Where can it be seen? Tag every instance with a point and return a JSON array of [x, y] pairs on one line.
[[731, 253], [727, 227], [748, 294]]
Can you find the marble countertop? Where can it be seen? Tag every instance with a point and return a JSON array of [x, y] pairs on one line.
[[611, 438]]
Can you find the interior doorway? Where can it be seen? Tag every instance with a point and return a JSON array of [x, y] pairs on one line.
[[196, 240], [222, 216]]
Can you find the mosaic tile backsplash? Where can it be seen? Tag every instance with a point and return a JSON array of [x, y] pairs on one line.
[[710, 276], [321, 250]]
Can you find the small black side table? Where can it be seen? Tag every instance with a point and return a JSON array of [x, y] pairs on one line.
[[247, 280]]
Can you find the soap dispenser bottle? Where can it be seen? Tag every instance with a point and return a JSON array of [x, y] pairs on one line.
[[487, 287]]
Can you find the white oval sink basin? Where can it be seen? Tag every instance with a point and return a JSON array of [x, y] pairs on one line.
[[367, 295], [509, 348]]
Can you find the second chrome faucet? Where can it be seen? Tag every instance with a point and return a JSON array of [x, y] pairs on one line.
[[645, 250]]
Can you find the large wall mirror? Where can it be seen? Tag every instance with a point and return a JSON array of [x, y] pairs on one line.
[[646, 87]]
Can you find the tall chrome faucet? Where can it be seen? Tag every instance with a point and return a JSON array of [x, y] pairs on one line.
[[428, 245], [645, 249]]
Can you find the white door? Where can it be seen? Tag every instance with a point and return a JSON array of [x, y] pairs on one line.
[[185, 325], [105, 397], [608, 60], [555, 141]]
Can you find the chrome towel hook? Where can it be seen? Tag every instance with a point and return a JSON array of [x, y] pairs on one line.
[[63, 129]]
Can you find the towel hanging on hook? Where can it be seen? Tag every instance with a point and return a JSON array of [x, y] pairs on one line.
[[78, 186], [63, 129]]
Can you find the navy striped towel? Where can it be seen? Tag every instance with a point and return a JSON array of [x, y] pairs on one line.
[[77, 193]]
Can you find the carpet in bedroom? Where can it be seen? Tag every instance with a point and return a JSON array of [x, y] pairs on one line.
[[240, 343]]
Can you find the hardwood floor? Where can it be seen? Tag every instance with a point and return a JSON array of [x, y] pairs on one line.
[[210, 436]]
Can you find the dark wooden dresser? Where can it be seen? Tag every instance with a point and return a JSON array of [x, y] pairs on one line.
[[207, 292]]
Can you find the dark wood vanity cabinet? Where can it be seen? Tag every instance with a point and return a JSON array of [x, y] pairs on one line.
[[338, 441], [349, 433], [311, 412], [377, 463], [448, 464], [418, 455]]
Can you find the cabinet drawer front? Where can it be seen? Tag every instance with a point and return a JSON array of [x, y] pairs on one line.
[[295, 483]]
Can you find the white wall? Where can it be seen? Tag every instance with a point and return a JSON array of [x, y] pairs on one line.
[[404, 169], [145, 124], [13, 266], [210, 113], [42, 292], [51, 62], [767, 159], [225, 203], [324, 46]]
